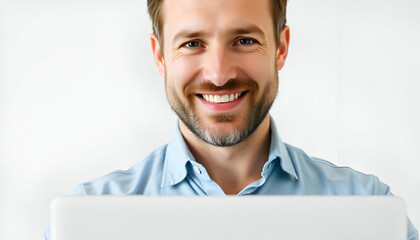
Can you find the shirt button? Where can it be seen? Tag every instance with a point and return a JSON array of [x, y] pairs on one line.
[[197, 170]]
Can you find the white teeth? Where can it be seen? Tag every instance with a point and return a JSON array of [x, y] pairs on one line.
[[225, 98], [221, 98]]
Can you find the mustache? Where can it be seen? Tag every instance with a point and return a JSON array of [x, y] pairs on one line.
[[195, 87]]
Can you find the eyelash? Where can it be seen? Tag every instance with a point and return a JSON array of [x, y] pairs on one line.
[[194, 41], [253, 41]]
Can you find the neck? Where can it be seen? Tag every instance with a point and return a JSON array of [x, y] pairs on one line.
[[233, 167]]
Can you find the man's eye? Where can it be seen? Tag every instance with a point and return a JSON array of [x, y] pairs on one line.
[[192, 44], [245, 41]]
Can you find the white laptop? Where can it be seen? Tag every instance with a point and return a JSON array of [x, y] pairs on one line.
[[228, 218]]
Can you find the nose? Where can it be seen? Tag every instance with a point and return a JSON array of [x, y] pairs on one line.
[[219, 66]]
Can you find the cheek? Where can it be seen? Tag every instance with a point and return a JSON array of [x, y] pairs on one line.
[[180, 72], [258, 67]]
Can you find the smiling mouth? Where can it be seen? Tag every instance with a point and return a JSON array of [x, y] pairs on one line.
[[221, 98]]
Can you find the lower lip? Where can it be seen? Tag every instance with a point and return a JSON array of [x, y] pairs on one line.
[[222, 106]]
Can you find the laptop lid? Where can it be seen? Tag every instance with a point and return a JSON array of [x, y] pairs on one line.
[[227, 218]]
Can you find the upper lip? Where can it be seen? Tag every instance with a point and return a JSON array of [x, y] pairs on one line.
[[221, 93]]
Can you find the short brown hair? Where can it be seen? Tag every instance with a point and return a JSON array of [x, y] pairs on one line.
[[278, 14]]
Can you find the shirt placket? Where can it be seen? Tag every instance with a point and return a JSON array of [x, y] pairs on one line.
[[199, 175]]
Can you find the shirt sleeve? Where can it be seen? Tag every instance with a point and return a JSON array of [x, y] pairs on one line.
[[47, 234], [412, 233], [79, 190]]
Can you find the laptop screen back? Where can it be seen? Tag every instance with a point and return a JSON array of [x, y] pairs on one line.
[[227, 218]]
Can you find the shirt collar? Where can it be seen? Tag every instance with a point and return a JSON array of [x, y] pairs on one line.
[[278, 150], [178, 155], [176, 159]]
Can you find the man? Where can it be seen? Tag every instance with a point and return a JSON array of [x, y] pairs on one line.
[[220, 61]]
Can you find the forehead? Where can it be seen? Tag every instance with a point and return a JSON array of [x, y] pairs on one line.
[[215, 15]]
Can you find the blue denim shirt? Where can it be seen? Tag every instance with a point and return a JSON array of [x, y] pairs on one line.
[[172, 170]]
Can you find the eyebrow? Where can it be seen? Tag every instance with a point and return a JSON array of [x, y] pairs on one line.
[[249, 29], [187, 34]]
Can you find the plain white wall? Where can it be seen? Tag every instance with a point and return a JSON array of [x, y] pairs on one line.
[[379, 114], [80, 96]]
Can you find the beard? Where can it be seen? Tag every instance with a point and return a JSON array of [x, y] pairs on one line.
[[258, 110]]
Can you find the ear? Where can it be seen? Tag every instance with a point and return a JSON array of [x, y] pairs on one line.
[[157, 53], [283, 47]]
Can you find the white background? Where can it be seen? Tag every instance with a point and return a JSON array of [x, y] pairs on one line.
[[80, 96]]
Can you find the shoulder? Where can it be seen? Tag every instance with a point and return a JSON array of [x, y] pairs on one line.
[[329, 178], [138, 179]]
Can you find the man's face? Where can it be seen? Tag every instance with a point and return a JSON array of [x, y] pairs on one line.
[[220, 66]]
